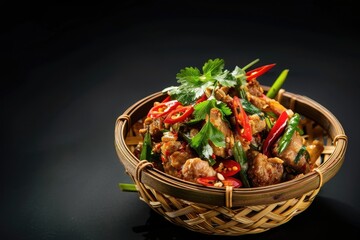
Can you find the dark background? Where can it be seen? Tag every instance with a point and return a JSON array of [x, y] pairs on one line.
[[68, 72]]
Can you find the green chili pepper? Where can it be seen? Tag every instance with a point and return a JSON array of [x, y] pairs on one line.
[[288, 133], [274, 89], [240, 157], [146, 147]]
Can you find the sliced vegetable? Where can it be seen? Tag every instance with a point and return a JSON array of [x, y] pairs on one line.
[[242, 119], [275, 132], [231, 181], [167, 99], [163, 108], [202, 98], [289, 131], [179, 114], [207, 181], [274, 89], [257, 72], [227, 167], [240, 157], [146, 147], [227, 181]]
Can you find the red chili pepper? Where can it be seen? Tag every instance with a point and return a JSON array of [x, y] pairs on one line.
[[167, 99], [163, 108], [179, 114], [202, 98], [230, 181], [257, 72], [229, 168], [242, 118], [207, 181], [275, 132]]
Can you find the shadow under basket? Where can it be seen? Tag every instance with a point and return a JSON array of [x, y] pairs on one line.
[[226, 210]]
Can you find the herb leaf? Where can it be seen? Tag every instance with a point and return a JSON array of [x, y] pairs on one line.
[[213, 67], [201, 110], [193, 83], [200, 142]]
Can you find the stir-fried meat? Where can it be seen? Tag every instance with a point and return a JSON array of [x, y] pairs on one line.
[[169, 136], [254, 88], [174, 155], [257, 124], [257, 101], [290, 152], [267, 104], [155, 127], [195, 168], [264, 171], [216, 119]]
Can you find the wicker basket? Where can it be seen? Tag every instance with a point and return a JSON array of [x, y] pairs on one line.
[[228, 211]]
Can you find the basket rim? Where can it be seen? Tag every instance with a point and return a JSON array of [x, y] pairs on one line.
[[179, 188]]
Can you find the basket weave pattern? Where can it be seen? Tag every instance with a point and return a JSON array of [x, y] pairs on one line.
[[228, 211], [222, 220]]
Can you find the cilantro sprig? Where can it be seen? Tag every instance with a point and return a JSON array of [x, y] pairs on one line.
[[202, 109], [193, 82], [208, 132], [200, 142]]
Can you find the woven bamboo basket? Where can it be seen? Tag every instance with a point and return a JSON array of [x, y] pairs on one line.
[[228, 211]]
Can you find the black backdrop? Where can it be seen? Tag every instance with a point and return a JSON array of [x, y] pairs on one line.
[[68, 72]]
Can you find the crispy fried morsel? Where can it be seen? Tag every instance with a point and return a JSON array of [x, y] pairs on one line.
[[195, 168], [174, 155], [255, 88], [263, 171], [257, 124]]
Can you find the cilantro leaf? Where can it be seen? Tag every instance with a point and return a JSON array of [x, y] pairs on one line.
[[240, 74], [193, 83], [213, 67], [226, 79], [201, 110], [189, 76], [200, 142]]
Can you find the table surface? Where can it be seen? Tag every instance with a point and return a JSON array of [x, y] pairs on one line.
[[69, 72]]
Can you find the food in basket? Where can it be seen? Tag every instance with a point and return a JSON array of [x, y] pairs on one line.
[[220, 128]]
